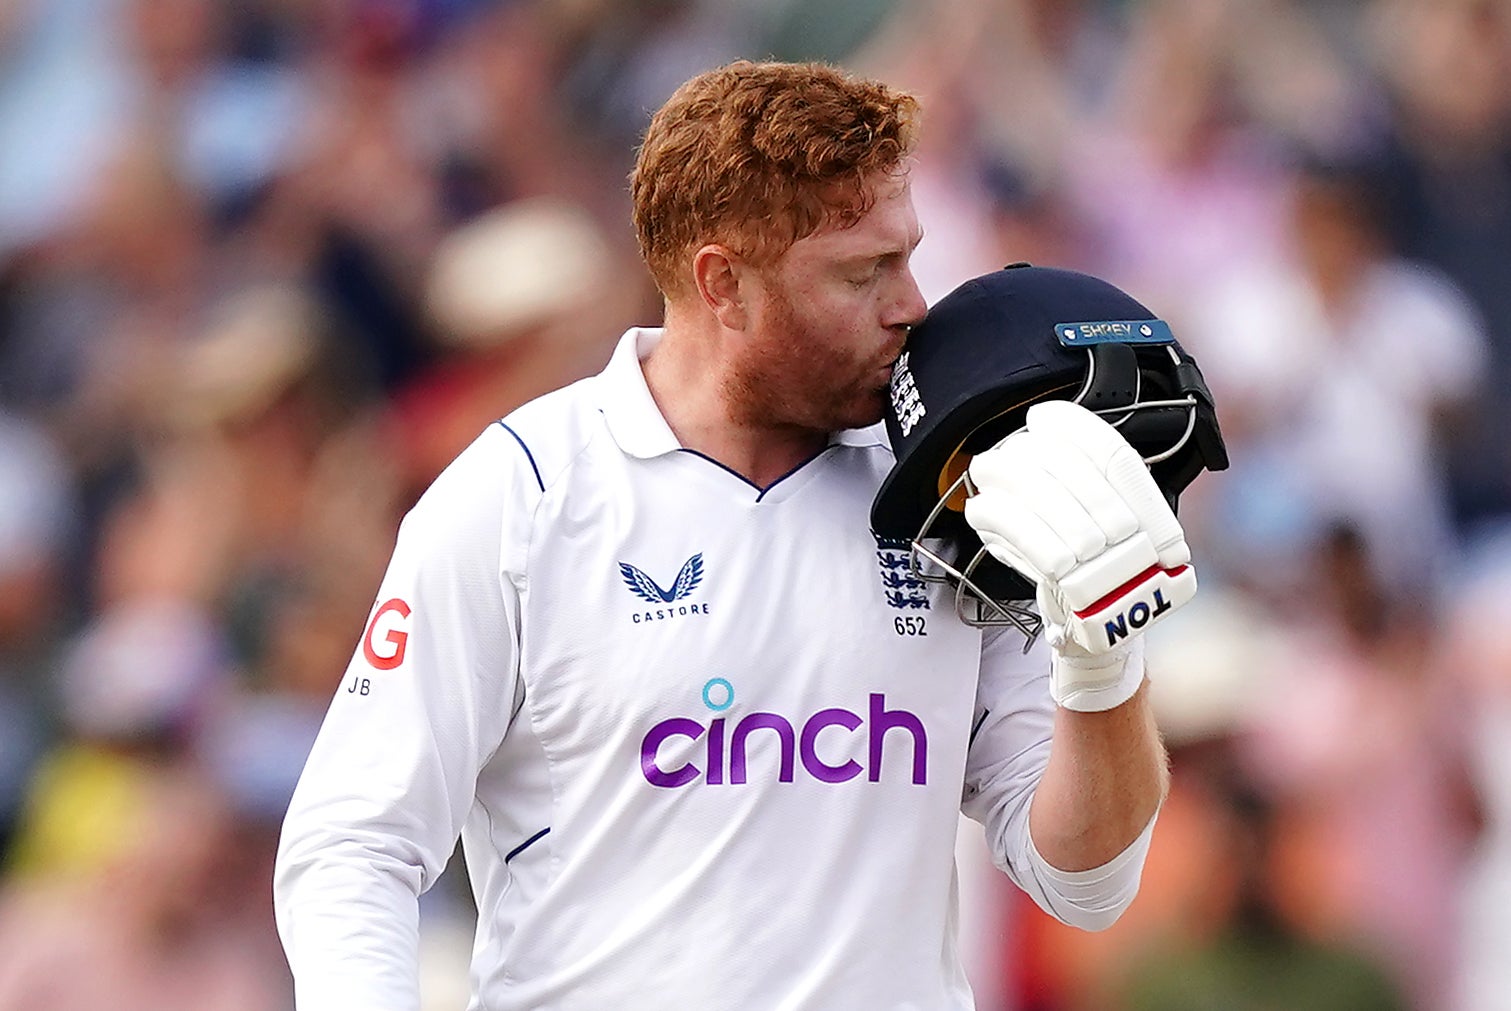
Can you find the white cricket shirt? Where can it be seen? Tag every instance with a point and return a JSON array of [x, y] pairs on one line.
[[705, 744]]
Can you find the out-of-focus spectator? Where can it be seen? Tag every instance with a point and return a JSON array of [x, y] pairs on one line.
[[62, 95], [1338, 371], [150, 928], [1448, 66], [1031, 222], [520, 300], [262, 476], [1363, 751], [37, 513], [1177, 180], [135, 691], [1475, 666], [98, 310], [629, 57], [1255, 960]]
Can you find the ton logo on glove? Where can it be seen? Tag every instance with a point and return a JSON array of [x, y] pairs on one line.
[[1063, 420]]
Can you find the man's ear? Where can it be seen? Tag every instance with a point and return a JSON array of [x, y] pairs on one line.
[[718, 272]]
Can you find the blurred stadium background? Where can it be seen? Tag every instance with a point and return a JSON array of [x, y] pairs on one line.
[[266, 265]]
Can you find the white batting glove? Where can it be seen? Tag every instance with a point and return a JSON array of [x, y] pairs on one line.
[[1068, 503]]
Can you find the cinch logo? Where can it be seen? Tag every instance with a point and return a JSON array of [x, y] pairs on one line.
[[1139, 615], [724, 753], [647, 589]]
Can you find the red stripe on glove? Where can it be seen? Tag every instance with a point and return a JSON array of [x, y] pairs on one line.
[[1123, 590]]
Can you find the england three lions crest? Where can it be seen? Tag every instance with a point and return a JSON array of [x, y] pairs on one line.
[[902, 589]]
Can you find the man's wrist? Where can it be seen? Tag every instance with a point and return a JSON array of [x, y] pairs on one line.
[[1088, 683]]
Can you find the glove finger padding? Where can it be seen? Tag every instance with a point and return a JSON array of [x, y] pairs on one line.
[[1073, 430], [1016, 536], [1070, 497], [1083, 479], [1016, 474]]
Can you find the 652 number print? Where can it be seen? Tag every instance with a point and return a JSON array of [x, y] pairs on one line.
[[908, 626]]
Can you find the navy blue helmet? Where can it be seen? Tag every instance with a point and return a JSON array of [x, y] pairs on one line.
[[988, 351]]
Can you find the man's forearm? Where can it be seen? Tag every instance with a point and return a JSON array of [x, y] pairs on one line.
[[1105, 780]]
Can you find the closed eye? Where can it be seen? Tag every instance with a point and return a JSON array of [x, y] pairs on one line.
[[866, 271]]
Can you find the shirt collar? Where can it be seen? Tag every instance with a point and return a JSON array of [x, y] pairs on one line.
[[636, 423], [633, 418], [871, 435]]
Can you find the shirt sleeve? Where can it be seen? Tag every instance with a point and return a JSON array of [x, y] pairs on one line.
[[1009, 750], [423, 705]]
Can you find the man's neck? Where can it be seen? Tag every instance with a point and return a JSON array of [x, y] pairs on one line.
[[688, 378]]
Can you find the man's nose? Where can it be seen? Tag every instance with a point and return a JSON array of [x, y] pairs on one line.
[[911, 307]]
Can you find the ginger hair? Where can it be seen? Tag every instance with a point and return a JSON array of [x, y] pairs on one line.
[[755, 156]]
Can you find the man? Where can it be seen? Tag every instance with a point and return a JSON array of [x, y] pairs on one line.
[[634, 645]]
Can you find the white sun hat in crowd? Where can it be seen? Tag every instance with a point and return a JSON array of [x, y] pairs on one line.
[[515, 269], [260, 341]]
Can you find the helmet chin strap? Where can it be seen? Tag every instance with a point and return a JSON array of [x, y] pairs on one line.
[[1112, 381]]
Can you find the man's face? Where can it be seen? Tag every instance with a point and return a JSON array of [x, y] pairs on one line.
[[829, 318]]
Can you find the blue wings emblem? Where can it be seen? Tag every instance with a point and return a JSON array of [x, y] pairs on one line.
[[646, 588]]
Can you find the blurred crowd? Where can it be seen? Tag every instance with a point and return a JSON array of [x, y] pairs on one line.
[[266, 266]]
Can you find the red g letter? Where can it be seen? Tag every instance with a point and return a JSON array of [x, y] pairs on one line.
[[394, 636]]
